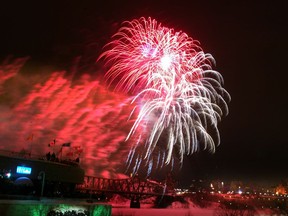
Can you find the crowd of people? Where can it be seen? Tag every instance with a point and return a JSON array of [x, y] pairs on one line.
[[53, 157]]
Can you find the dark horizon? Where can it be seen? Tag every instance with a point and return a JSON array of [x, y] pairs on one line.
[[248, 41]]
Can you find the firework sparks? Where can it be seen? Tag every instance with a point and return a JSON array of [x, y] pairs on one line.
[[178, 96]]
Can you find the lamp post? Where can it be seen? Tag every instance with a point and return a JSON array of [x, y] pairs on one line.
[[41, 176]]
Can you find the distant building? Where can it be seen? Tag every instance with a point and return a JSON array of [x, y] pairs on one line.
[[199, 186], [219, 186]]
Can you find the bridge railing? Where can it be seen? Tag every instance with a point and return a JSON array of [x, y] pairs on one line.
[[129, 185], [24, 154]]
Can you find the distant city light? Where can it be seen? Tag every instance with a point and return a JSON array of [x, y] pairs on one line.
[[8, 175]]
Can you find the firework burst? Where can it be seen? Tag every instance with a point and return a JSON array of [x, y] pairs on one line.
[[179, 98]]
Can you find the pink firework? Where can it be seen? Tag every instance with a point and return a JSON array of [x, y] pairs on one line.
[[178, 96]]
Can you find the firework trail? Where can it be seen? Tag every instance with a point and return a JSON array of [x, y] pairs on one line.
[[58, 106], [9, 70], [178, 97]]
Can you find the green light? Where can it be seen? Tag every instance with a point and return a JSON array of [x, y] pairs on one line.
[[19, 208], [101, 210]]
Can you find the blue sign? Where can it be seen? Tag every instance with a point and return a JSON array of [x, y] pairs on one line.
[[23, 170]]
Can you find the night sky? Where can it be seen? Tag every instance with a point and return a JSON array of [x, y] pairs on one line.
[[248, 41]]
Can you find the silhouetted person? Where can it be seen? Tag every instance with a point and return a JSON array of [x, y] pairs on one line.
[[48, 156], [53, 157]]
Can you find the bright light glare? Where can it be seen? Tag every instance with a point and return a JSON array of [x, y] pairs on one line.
[[166, 62]]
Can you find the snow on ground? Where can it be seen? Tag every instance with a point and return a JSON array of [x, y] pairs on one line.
[[121, 207], [161, 212], [117, 211]]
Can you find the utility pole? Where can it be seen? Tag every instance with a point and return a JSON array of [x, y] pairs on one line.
[[41, 176]]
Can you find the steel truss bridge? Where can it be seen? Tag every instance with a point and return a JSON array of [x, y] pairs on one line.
[[130, 186]]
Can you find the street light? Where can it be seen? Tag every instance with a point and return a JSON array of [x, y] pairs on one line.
[[41, 175]]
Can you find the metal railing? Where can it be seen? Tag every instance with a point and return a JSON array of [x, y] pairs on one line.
[[24, 154], [132, 185]]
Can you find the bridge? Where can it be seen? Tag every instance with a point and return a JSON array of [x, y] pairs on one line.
[[128, 186]]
